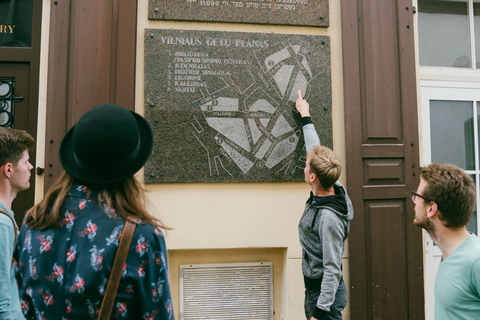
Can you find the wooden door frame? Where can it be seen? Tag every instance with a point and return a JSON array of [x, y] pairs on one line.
[[363, 148], [84, 71]]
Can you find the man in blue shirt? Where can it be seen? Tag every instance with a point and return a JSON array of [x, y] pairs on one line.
[[444, 202], [14, 177]]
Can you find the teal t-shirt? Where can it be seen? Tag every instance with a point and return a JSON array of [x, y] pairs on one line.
[[9, 301], [457, 286]]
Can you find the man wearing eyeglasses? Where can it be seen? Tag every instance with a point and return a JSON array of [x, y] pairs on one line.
[[444, 202]]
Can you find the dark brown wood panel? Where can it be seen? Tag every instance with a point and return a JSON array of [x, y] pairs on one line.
[[15, 54], [380, 58], [383, 150], [57, 88], [389, 289], [386, 254], [126, 41], [91, 61], [384, 192], [379, 171]]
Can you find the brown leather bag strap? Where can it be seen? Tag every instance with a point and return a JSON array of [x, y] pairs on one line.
[[15, 227], [117, 270]]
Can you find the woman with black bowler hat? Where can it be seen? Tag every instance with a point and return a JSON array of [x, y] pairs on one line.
[[69, 241]]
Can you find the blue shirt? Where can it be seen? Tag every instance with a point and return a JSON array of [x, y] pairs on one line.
[[63, 271], [457, 286], [9, 302]]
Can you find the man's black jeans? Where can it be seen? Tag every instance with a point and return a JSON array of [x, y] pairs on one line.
[[311, 297]]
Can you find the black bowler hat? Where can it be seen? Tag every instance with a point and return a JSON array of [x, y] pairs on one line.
[[108, 144]]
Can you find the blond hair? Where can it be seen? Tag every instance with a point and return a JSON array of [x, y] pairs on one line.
[[326, 165]]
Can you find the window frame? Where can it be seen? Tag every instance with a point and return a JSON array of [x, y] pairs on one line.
[[443, 69], [450, 91]]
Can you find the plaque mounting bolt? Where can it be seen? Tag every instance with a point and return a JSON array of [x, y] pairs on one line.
[[152, 104], [321, 17], [156, 9]]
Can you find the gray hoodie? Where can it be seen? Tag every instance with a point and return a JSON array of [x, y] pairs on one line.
[[323, 229]]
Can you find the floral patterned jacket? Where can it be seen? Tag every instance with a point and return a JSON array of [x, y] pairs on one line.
[[62, 272]]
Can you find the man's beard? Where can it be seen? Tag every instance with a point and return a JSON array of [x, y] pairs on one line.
[[427, 225]]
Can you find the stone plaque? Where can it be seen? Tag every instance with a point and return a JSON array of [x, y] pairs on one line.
[[222, 104], [285, 12]]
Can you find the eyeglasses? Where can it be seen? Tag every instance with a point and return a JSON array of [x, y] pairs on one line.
[[415, 195]]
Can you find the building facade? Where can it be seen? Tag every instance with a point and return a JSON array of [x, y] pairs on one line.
[[402, 95]]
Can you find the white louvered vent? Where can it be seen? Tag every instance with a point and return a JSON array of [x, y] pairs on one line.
[[226, 291]]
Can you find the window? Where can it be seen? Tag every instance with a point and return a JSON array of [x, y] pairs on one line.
[[449, 33], [449, 58], [7, 101], [450, 128], [451, 119]]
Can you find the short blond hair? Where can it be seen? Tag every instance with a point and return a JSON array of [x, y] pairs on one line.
[[326, 165]]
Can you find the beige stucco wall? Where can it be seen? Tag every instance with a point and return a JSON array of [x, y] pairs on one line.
[[229, 222]]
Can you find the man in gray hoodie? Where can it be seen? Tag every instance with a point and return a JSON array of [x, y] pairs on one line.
[[324, 226]]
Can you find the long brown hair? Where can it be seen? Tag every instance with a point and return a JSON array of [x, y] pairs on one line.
[[127, 197]]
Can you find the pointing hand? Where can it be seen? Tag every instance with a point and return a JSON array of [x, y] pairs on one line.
[[302, 105]]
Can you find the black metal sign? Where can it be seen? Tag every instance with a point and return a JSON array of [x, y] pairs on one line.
[[16, 23]]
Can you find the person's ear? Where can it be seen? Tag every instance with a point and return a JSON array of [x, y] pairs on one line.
[[432, 209], [6, 169]]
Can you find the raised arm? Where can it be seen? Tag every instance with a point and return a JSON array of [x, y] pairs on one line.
[[309, 132]]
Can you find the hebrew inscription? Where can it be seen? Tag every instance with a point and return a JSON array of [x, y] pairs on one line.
[[285, 12], [222, 104]]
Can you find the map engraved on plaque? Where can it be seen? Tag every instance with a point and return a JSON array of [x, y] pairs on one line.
[[283, 12], [222, 104]]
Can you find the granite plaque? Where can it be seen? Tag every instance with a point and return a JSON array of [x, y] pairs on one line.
[[222, 104], [285, 12]]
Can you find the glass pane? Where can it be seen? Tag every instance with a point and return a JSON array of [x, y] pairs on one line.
[[444, 33], [451, 133], [476, 22], [7, 100], [16, 23], [472, 225]]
